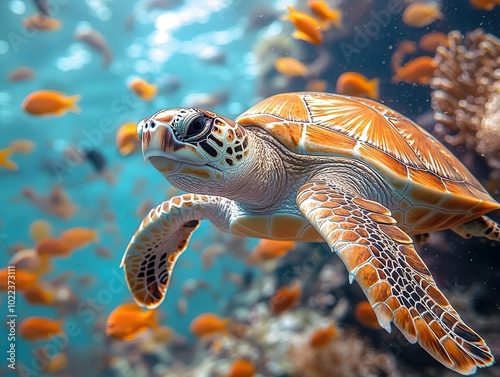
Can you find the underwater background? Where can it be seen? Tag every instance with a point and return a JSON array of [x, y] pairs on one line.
[[83, 171]]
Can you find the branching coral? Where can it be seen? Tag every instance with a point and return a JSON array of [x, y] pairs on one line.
[[347, 355], [466, 92]]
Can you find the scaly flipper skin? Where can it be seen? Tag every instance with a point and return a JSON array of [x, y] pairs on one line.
[[382, 259], [160, 239], [481, 227]]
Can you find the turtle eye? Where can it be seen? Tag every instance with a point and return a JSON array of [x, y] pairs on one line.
[[196, 127]]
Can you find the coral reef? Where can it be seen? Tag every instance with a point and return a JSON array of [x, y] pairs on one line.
[[466, 93]]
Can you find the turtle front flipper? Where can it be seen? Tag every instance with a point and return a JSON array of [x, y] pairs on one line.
[[382, 259], [160, 239]]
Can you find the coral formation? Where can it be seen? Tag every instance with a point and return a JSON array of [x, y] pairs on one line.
[[466, 93]]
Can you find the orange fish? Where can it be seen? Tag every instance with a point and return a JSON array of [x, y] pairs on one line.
[[39, 328], [270, 249], [41, 23], [316, 85], [431, 41], [39, 229], [241, 368], [50, 103], [56, 363], [22, 280], [285, 298], [366, 316], [288, 66], [97, 42], [323, 336], [421, 14], [143, 89], [355, 84], [17, 146], [418, 70], [308, 28], [22, 73], [127, 139], [39, 295], [484, 4], [79, 237], [126, 321], [208, 324], [325, 14], [52, 247]]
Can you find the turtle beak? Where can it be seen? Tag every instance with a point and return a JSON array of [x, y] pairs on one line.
[[158, 140]]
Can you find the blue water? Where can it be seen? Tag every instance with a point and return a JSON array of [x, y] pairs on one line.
[[160, 43]]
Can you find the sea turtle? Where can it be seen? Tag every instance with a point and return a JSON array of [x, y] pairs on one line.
[[323, 168]]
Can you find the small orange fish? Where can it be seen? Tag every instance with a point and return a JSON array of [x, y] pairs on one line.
[[416, 71], [323, 336], [325, 14], [127, 139], [40, 229], [285, 298], [288, 66], [366, 316], [484, 4], [431, 41], [421, 14], [97, 42], [316, 85], [39, 295], [22, 280], [308, 28], [208, 324], [126, 321], [270, 249], [52, 247], [56, 363], [143, 89], [39, 328], [41, 23], [22, 73], [50, 103], [241, 368], [79, 237], [17, 146], [355, 84]]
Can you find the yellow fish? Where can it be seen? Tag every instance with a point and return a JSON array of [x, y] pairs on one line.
[[325, 14], [38, 328], [143, 89], [308, 29], [355, 84], [421, 14], [127, 139], [289, 66], [128, 320], [17, 146], [50, 102]]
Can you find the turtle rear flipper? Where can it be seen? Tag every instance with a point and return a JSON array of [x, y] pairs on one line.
[[382, 259], [481, 227], [160, 239]]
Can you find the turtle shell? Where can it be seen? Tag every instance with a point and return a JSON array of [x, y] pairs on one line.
[[418, 166]]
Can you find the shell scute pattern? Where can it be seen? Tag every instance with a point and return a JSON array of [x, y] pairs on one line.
[[412, 160]]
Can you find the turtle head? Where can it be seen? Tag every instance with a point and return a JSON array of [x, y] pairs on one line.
[[191, 146]]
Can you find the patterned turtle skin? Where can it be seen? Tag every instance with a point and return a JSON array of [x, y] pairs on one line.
[[319, 167]]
